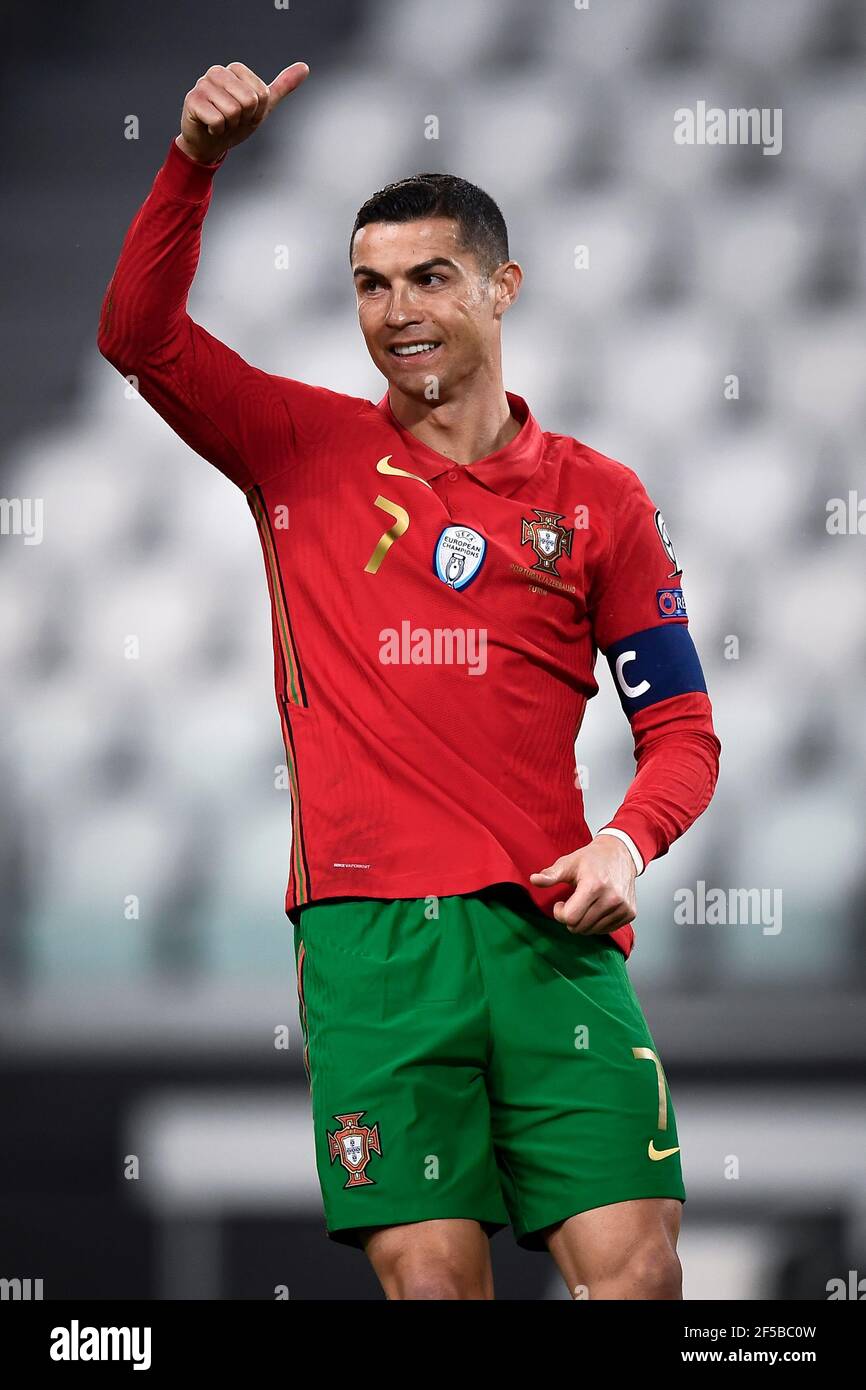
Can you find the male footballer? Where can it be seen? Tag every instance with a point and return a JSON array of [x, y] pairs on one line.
[[442, 573]]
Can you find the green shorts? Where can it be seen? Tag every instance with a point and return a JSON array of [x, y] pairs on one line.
[[469, 1057]]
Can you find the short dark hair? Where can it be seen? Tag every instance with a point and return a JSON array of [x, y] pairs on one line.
[[482, 226]]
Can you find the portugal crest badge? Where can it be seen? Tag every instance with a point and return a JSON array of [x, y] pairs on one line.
[[548, 539], [353, 1144]]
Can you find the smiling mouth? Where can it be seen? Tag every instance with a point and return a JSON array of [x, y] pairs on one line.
[[406, 351]]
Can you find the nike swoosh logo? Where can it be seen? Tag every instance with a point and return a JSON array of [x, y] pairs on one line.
[[383, 466], [656, 1154]]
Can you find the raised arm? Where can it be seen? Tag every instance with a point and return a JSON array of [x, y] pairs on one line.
[[227, 410]]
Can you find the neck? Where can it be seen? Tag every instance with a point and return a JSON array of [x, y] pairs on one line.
[[472, 423]]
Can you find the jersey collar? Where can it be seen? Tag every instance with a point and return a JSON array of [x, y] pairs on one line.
[[504, 471]]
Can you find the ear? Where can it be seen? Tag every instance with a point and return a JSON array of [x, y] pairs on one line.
[[506, 279]]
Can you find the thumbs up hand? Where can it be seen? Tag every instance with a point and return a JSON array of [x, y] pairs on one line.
[[227, 105]]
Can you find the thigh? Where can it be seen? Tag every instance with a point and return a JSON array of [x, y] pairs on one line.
[[593, 1249], [581, 1110], [396, 1038], [447, 1259]]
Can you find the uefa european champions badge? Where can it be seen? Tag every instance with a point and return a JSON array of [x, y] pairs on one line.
[[459, 556]]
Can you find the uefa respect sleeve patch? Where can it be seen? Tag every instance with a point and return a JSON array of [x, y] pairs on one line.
[[671, 603], [655, 665]]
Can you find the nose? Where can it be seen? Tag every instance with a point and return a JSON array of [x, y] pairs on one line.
[[401, 308]]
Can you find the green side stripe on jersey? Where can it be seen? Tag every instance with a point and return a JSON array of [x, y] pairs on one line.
[[300, 876], [286, 642], [294, 693]]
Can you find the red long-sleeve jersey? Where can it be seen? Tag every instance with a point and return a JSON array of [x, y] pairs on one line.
[[435, 626]]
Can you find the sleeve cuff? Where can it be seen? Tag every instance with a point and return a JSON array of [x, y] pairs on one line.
[[184, 178], [629, 844]]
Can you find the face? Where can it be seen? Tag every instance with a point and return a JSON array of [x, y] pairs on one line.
[[425, 306]]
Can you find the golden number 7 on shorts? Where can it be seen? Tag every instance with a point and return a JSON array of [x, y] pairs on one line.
[[647, 1054]]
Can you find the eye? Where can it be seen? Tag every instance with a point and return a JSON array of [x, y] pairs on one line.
[[431, 276]]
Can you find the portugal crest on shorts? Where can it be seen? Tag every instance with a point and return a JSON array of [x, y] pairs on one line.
[[353, 1145], [548, 539]]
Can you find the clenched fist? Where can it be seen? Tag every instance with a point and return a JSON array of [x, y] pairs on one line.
[[227, 105]]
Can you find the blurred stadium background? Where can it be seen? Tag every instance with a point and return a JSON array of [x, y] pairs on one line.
[[153, 1035]]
